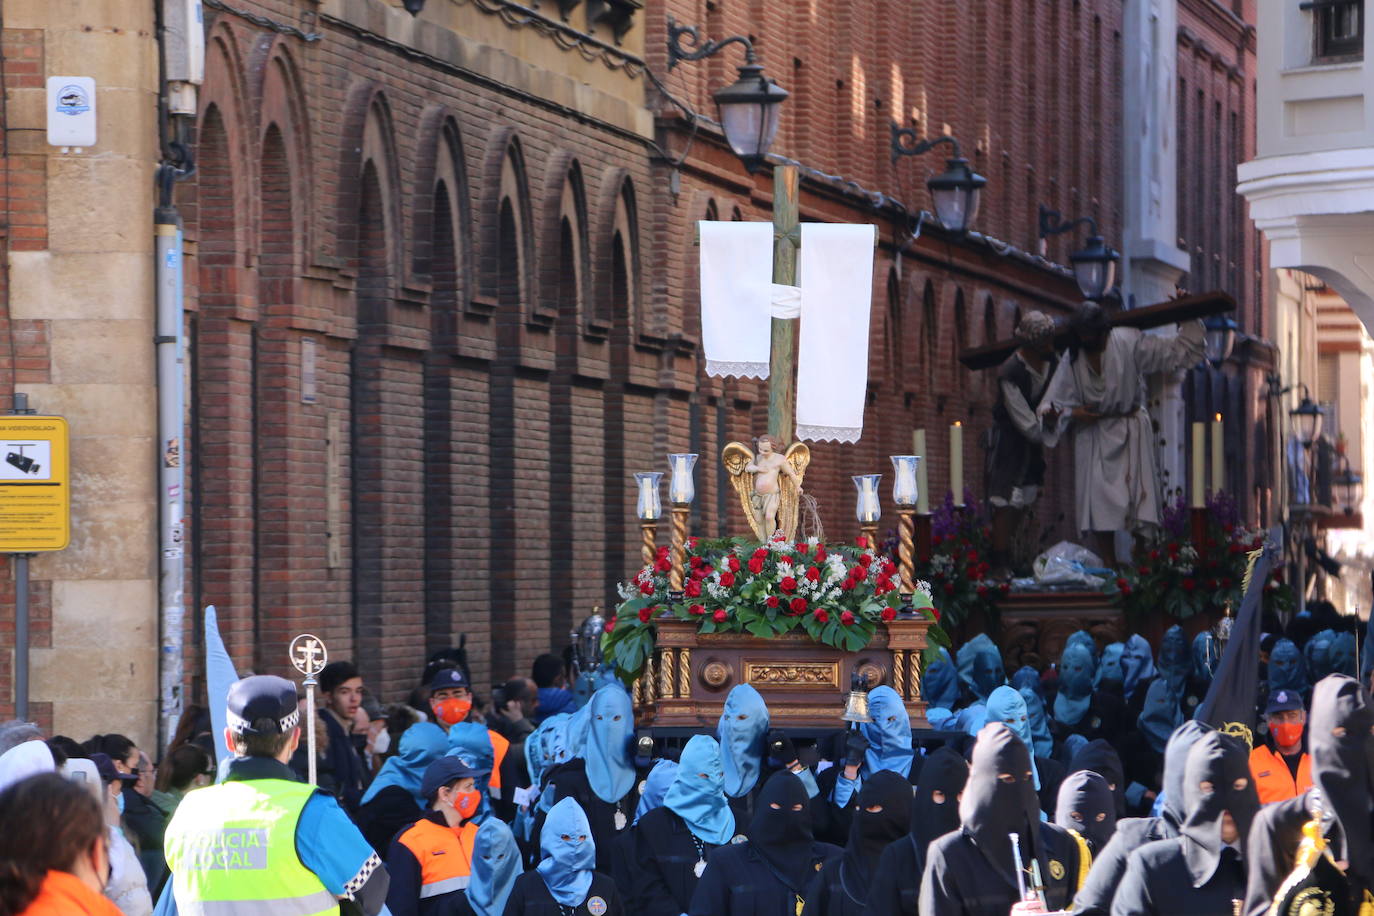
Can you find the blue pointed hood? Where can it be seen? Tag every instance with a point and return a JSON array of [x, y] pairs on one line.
[[1174, 659], [656, 786], [1137, 663], [1075, 685], [1039, 723], [472, 742], [610, 771], [495, 866], [1206, 654], [1007, 705], [1342, 654], [742, 732], [1029, 678], [420, 745], [940, 683], [698, 794], [1160, 715], [1085, 639], [1286, 669], [980, 666], [1317, 653], [889, 734], [1109, 670], [569, 853], [554, 747]]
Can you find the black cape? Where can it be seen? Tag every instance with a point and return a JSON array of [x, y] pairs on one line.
[[664, 861], [897, 879], [841, 888], [531, 897]]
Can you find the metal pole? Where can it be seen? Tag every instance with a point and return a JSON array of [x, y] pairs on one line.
[[170, 462], [21, 608], [310, 727], [782, 363]]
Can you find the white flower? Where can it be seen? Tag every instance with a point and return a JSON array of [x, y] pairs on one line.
[[923, 586]]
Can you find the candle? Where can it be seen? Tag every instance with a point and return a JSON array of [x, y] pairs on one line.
[[956, 462], [1197, 501], [918, 448], [1218, 457]]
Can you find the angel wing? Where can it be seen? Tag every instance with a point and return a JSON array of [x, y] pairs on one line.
[[798, 455], [736, 456]]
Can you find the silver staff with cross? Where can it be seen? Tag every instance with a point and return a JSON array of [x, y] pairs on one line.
[[309, 656]]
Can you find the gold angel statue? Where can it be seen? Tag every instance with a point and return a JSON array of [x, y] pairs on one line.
[[769, 484]]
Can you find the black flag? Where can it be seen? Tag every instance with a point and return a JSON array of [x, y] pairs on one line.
[[1230, 702]]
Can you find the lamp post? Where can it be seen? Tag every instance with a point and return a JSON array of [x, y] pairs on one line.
[[681, 492], [750, 109], [1094, 265], [954, 193], [868, 507], [1219, 338], [905, 494], [1349, 485], [649, 509]]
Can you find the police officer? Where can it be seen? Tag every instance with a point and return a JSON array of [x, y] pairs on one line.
[[1280, 764], [430, 862], [261, 842]]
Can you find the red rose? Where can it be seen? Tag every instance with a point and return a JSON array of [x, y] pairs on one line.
[[936, 540], [719, 616], [727, 579], [798, 605], [972, 556], [693, 589], [772, 601], [664, 564], [803, 547], [788, 584], [1189, 585], [696, 610], [949, 588], [970, 572], [609, 627], [1144, 570], [1173, 550], [861, 542], [1154, 554], [692, 542], [820, 615], [865, 559], [645, 613], [647, 588], [882, 587], [982, 591], [813, 574], [1004, 588], [1125, 589], [663, 551], [847, 618], [734, 563], [696, 562], [889, 614], [1120, 582], [788, 559], [935, 612], [756, 566], [761, 553]]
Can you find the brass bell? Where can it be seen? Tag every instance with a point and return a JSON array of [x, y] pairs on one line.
[[856, 707]]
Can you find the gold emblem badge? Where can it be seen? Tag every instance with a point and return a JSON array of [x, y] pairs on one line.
[[1056, 870]]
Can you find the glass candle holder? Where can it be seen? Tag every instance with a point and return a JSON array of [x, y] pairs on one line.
[[648, 504], [868, 507], [905, 491], [680, 486]]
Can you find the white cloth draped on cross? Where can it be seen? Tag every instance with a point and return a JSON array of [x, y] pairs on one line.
[[833, 298]]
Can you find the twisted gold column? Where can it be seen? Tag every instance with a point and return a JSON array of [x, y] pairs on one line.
[[665, 674], [914, 674], [678, 545], [906, 549], [648, 534], [646, 678], [684, 673], [899, 673]]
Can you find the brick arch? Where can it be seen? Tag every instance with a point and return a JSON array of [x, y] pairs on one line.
[[226, 95], [368, 140], [441, 163], [504, 218], [281, 107], [618, 265], [565, 273]]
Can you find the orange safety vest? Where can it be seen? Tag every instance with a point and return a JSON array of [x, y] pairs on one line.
[[444, 854], [499, 746], [1273, 780]]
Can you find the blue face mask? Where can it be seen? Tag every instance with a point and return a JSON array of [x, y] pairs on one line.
[[1006, 704], [1082, 638], [495, 866], [420, 745], [119, 802], [742, 731], [1137, 664], [940, 684], [980, 666], [610, 771], [1161, 714], [1027, 678], [1174, 660], [1039, 723], [1109, 671], [1075, 685], [656, 786], [889, 734], [1286, 671], [569, 853], [698, 794]]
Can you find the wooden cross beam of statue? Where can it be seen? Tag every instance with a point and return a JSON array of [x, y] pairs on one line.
[[990, 356]]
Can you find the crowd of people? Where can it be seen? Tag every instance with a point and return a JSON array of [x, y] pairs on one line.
[[1086, 787]]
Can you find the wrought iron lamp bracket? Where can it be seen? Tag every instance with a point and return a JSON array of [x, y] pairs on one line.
[[901, 136], [697, 48]]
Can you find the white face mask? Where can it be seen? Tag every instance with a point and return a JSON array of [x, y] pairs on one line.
[[382, 743]]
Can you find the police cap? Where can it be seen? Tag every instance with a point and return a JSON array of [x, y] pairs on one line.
[[259, 699]]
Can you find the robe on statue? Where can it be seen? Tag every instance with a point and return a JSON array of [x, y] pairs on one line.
[[1114, 477]]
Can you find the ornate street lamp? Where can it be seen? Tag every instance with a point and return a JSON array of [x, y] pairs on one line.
[[1220, 337], [749, 108], [1094, 265], [1307, 418], [955, 193], [1349, 486]]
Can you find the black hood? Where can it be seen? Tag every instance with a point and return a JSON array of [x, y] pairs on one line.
[[1216, 779], [1099, 756], [1175, 759], [1086, 804], [992, 808], [781, 834], [870, 832], [944, 771], [1342, 744]]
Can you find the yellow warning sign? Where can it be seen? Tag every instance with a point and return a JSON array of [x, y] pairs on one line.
[[35, 484]]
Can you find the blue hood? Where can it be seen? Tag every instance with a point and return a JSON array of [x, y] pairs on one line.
[[495, 866], [1082, 638], [980, 666], [1007, 705], [1029, 678], [1286, 671], [940, 683], [472, 741], [1039, 723], [553, 700], [610, 770], [1343, 654], [742, 732], [889, 734], [1075, 685], [698, 794], [1160, 715], [1317, 652], [420, 745], [1137, 663], [569, 853], [1174, 659], [1109, 670], [656, 786], [553, 743], [1206, 654]]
